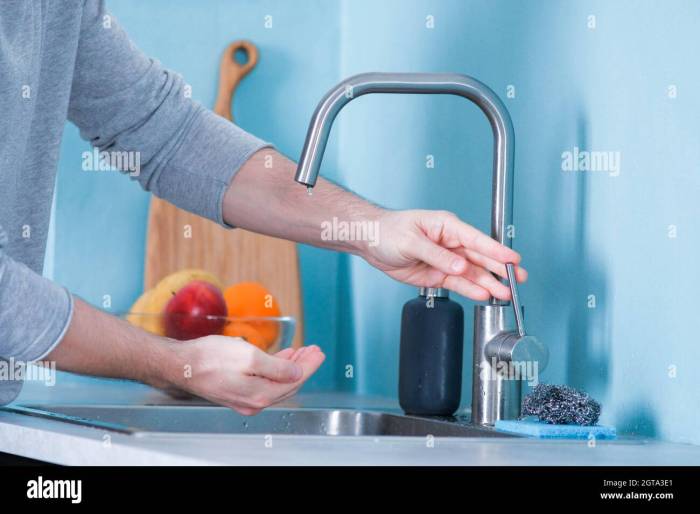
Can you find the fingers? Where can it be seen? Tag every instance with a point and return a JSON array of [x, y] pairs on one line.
[[487, 281], [473, 239], [439, 257], [494, 266], [477, 284], [236, 374], [310, 359], [298, 352], [287, 353], [483, 255], [275, 368], [461, 285], [451, 243], [472, 280], [264, 392], [247, 411]]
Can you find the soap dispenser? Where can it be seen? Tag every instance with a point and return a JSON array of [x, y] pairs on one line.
[[430, 359]]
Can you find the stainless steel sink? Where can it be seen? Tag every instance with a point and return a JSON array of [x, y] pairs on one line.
[[144, 420]]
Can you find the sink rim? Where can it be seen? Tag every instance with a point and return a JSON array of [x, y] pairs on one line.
[[45, 411]]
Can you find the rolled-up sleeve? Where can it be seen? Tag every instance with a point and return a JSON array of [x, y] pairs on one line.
[[34, 315], [122, 101]]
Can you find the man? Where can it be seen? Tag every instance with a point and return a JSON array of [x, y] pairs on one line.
[[70, 59]]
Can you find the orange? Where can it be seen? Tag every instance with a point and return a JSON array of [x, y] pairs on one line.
[[251, 299], [250, 334]]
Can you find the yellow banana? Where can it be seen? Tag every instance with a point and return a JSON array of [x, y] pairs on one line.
[[151, 303]]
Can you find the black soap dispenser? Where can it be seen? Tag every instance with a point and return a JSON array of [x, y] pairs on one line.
[[430, 360]]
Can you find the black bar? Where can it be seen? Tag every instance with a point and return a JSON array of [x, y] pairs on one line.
[[458, 487]]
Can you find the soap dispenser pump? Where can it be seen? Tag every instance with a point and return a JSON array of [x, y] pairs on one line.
[[430, 360]]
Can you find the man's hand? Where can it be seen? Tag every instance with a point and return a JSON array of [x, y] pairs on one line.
[[230, 372], [421, 248], [436, 249], [225, 370]]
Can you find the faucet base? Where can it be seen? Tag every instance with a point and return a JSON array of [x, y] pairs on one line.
[[495, 393]]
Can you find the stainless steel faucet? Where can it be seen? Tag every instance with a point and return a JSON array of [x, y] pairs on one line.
[[503, 358]]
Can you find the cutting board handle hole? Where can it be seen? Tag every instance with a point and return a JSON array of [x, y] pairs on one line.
[[241, 56]]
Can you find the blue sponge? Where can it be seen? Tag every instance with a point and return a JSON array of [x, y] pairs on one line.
[[534, 428]]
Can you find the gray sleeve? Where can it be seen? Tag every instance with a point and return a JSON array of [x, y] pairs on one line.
[[34, 315], [122, 101]]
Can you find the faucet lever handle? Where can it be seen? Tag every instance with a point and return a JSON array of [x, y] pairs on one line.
[[517, 310]]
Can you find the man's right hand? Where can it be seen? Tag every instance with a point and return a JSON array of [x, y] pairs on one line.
[[230, 372]]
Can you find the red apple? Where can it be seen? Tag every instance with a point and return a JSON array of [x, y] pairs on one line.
[[196, 310]]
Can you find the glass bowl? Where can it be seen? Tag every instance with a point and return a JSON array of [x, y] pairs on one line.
[[271, 334]]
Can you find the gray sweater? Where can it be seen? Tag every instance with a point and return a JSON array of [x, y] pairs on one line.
[[69, 59]]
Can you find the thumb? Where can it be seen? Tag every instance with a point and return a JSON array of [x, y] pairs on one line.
[[277, 369], [439, 257]]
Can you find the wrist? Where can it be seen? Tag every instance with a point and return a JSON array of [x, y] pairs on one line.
[[377, 217], [165, 364], [367, 231]]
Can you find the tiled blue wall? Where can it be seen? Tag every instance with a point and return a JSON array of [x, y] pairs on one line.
[[580, 234]]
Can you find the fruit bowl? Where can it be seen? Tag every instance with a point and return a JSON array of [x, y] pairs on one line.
[[266, 332]]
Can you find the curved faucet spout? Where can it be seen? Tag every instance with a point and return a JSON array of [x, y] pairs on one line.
[[422, 83], [493, 398]]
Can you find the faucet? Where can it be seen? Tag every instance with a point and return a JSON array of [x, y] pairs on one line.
[[503, 357]]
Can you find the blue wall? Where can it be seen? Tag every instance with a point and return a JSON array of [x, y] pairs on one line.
[[581, 234]]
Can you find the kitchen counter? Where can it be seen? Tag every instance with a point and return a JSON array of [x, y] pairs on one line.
[[65, 443]]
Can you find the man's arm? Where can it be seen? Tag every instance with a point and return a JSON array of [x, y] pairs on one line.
[[225, 370], [422, 248], [202, 163], [127, 104], [40, 320]]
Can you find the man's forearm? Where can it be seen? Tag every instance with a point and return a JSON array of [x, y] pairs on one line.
[[99, 344], [264, 198]]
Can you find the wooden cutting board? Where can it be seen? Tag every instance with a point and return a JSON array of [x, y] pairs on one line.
[[233, 255]]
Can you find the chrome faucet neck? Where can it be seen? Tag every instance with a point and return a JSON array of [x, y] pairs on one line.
[[492, 398], [421, 83]]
